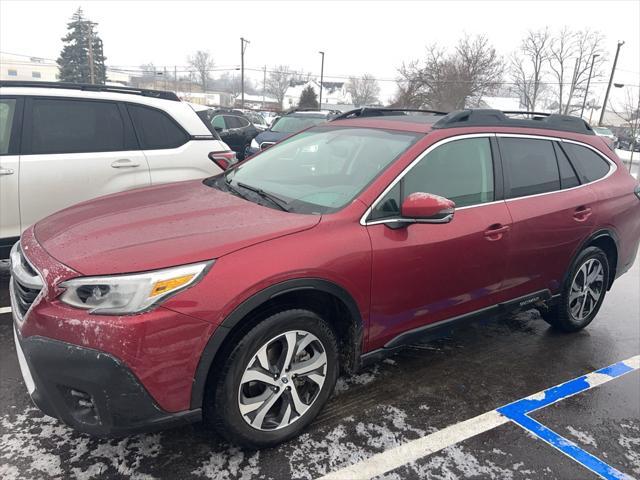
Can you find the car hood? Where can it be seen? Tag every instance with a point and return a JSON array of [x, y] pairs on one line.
[[269, 136], [159, 227]]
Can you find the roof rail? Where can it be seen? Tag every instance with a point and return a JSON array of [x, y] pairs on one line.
[[93, 88], [497, 118], [383, 111]]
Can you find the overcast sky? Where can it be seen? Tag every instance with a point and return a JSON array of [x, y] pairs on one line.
[[357, 36]]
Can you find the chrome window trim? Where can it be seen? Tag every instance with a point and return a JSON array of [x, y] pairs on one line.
[[612, 169], [363, 218]]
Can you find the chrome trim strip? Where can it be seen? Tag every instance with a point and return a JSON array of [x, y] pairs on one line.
[[446, 219], [18, 271]]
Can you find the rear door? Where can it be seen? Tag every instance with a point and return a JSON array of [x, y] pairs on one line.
[[75, 150], [551, 211], [425, 273], [10, 121]]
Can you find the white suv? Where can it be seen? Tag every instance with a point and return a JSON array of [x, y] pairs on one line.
[[61, 144]]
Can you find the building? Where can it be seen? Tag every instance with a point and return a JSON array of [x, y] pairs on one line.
[[334, 94], [21, 67]]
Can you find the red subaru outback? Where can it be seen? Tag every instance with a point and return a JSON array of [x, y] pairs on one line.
[[240, 298]]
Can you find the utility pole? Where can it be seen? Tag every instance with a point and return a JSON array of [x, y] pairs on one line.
[[586, 92], [243, 44], [175, 79], [264, 85], [321, 78], [92, 73], [606, 95], [165, 77]]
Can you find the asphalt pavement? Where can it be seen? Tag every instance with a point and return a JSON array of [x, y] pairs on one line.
[[439, 397]]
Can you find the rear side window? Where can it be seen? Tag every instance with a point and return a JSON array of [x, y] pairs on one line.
[[7, 111], [568, 177], [75, 126], [234, 122], [590, 165], [218, 122], [156, 129], [530, 166]]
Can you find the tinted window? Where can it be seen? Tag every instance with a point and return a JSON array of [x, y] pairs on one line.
[[389, 206], [7, 110], [155, 129], [218, 121], [568, 177], [71, 126], [530, 166], [590, 165], [461, 171], [235, 122]]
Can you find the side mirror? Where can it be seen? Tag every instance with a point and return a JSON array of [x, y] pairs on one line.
[[427, 208]]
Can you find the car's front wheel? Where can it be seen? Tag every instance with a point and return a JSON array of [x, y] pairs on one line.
[[276, 380], [583, 292]]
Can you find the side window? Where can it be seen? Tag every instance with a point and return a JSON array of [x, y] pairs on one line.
[[590, 165], [568, 177], [461, 170], [75, 126], [530, 166], [218, 122], [7, 110], [243, 122], [156, 129], [232, 122]]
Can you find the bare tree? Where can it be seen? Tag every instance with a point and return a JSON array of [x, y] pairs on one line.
[[561, 50], [587, 43], [451, 81], [363, 90], [202, 63], [527, 66], [629, 112], [278, 82]]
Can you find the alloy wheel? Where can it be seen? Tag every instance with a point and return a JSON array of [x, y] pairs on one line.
[[282, 380], [586, 289]]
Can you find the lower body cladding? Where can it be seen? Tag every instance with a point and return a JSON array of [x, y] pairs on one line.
[[90, 390]]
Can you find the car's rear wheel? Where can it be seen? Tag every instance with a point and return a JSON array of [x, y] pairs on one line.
[[583, 292], [275, 381]]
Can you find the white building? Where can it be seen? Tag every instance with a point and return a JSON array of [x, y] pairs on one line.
[[20, 67], [333, 94]]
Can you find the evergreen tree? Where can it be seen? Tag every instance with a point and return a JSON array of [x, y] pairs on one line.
[[308, 98], [74, 59]]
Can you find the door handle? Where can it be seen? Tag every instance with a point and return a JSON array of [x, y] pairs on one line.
[[124, 163], [6, 171], [495, 232], [582, 213]]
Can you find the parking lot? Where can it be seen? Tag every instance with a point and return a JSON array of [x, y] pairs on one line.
[[421, 390]]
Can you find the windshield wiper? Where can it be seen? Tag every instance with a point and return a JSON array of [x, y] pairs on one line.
[[277, 201], [233, 189]]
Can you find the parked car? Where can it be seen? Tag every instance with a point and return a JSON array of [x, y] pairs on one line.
[[235, 129], [287, 125], [240, 298], [607, 135], [63, 143], [258, 121], [628, 142]]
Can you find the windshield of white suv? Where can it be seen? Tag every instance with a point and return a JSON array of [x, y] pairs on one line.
[[318, 171], [292, 124]]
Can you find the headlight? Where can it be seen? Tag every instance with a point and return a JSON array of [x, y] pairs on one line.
[[127, 294], [255, 144]]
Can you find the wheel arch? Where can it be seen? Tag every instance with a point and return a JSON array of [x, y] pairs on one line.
[[322, 296], [607, 240]]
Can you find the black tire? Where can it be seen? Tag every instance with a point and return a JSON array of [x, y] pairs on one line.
[[222, 409], [560, 315]]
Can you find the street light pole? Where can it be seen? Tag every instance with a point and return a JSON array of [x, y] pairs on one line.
[[321, 77], [243, 47], [586, 92], [606, 96]]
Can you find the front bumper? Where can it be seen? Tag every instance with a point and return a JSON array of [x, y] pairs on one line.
[[90, 390]]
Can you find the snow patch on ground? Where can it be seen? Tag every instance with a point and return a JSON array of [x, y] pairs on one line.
[[631, 444], [227, 465], [582, 436], [344, 383]]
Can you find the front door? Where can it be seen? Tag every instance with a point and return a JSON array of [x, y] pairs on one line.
[[425, 273], [9, 173]]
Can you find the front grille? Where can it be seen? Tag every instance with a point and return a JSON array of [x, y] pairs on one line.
[[25, 283]]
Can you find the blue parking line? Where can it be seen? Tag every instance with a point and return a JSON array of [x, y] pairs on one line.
[[518, 412]]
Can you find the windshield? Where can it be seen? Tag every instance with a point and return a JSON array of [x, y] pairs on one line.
[[291, 124], [323, 169], [603, 131]]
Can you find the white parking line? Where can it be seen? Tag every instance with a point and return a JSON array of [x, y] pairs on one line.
[[5, 310], [411, 451]]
